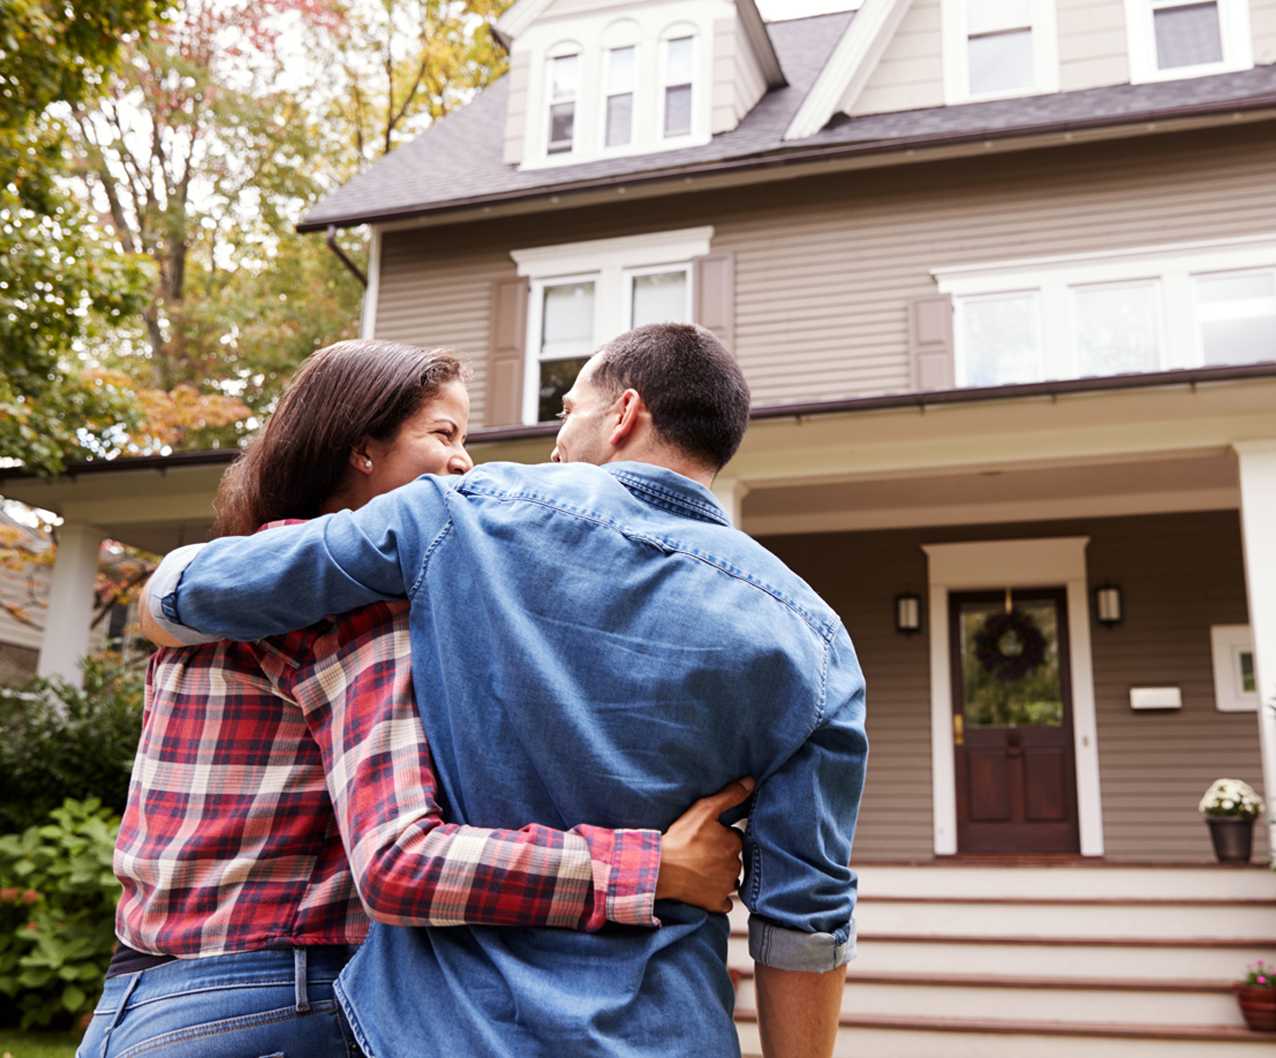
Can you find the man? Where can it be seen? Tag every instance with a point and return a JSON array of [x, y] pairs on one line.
[[592, 640]]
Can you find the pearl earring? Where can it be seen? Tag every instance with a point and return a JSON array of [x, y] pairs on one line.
[[367, 464]]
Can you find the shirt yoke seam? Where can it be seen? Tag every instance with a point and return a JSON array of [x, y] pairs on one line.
[[823, 632], [435, 544]]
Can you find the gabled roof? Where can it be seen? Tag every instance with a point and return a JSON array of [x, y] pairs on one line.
[[457, 163]]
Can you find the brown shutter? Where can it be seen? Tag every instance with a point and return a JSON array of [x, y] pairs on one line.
[[506, 357], [930, 336], [715, 296]]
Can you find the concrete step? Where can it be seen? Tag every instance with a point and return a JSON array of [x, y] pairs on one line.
[[1068, 881], [1218, 959], [885, 1036], [1139, 1002]]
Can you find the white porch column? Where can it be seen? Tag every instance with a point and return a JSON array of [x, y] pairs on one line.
[[731, 492], [66, 624], [1258, 528]]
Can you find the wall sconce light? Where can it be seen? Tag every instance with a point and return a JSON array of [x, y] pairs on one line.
[[908, 614], [1109, 606]]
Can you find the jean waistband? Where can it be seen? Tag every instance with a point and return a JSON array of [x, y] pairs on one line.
[[296, 968]]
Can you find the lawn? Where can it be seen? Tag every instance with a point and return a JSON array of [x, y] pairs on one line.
[[37, 1044]]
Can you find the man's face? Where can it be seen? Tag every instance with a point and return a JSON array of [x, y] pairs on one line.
[[588, 418]]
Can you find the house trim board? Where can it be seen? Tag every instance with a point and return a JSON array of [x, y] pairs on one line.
[[998, 564], [368, 320], [849, 68]]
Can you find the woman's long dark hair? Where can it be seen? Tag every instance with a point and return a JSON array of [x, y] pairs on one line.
[[343, 395]]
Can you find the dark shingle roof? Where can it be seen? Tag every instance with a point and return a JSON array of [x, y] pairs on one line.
[[458, 161]]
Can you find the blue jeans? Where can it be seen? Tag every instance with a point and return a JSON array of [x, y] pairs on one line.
[[261, 1004]]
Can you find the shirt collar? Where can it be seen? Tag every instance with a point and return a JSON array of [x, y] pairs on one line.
[[669, 490]]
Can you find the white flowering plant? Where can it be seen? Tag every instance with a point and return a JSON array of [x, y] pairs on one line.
[[1231, 799]]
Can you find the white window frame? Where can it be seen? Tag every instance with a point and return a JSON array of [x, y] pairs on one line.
[[666, 38], [611, 265], [1234, 28], [1227, 643], [653, 270], [1174, 266], [607, 94], [565, 51], [956, 53]]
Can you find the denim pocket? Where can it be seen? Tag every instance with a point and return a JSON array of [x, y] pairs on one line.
[[179, 1041]]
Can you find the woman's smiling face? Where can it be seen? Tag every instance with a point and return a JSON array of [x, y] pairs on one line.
[[430, 441]]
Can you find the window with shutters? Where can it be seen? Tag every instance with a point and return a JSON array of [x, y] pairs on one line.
[[1170, 39], [1159, 309], [584, 294], [995, 49]]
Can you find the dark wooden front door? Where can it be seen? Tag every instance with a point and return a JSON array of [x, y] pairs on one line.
[[1012, 722]]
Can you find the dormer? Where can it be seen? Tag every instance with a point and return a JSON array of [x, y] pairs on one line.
[[597, 79]]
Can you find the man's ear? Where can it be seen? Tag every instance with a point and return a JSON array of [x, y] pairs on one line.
[[629, 408]]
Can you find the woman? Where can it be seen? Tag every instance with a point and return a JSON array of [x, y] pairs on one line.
[[283, 790]]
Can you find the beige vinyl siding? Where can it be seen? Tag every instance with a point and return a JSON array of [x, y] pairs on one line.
[[910, 74], [433, 296], [1093, 48], [826, 266], [1262, 14], [516, 112], [1180, 574]]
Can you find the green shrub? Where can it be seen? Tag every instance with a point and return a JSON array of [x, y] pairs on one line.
[[57, 741], [57, 909]]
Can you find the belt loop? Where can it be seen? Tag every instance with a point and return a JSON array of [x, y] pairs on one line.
[[119, 1011], [299, 976]]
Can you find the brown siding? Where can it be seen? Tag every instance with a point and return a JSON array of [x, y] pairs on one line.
[[1180, 574], [826, 266]]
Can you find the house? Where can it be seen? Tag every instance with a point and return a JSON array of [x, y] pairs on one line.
[[1002, 276]]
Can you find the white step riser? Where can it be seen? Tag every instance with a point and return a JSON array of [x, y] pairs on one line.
[[1032, 1004], [891, 1043], [1135, 921], [1069, 883], [1029, 960]]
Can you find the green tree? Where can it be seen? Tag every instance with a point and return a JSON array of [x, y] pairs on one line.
[[61, 283]]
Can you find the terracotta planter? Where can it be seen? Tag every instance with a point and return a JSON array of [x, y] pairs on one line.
[[1233, 838], [1258, 1006]]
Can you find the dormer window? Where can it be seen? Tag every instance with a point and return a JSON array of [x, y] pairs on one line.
[[622, 76], [563, 80], [994, 49], [1170, 39], [678, 81]]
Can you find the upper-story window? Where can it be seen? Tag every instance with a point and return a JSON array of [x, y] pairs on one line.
[[585, 294], [678, 86], [562, 85], [1199, 306], [999, 48], [1187, 38], [622, 75]]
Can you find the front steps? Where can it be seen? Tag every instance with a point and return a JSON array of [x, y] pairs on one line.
[[1070, 961]]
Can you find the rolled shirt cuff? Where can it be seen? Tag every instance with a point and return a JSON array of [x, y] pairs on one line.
[[161, 596], [792, 949]]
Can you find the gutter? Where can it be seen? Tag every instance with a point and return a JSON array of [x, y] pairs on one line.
[[1192, 377], [914, 147]]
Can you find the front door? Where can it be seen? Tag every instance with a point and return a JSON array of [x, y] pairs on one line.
[[1012, 722]]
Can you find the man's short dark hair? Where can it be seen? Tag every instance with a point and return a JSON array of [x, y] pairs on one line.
[[694, 389]]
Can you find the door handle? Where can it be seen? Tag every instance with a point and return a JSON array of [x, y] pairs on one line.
[[959, 729]]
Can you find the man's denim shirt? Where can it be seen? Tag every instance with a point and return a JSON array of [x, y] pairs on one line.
[[589, 645]]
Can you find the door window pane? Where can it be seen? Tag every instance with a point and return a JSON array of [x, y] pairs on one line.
[[1245, 666], [1001, 62], [1237, 316], [995, 692], [660, 298], [1118, 328], [1001, 339], [1187, 35]]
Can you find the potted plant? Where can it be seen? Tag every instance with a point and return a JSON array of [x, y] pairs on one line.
[[1257, 997], [1230, 807]]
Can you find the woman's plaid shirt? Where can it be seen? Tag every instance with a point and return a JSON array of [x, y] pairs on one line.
[[282, 787]]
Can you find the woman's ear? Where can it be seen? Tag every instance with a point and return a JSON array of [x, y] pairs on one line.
[[361, 458]]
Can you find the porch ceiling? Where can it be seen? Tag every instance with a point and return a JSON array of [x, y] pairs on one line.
[[1200, 481]]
